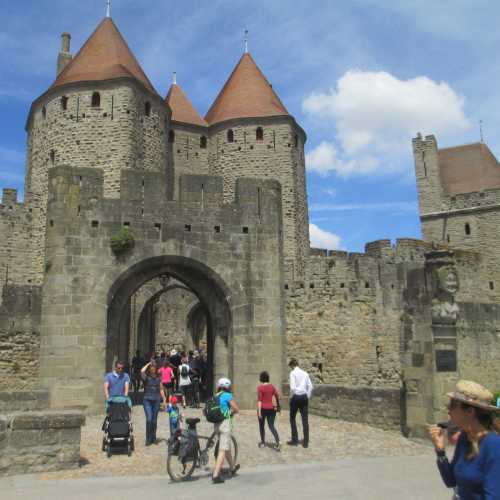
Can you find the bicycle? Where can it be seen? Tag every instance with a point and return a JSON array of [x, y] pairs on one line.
[[181, 468]]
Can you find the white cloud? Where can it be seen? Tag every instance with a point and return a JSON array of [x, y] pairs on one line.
[[323, 239], [392, 206], [376, 115]]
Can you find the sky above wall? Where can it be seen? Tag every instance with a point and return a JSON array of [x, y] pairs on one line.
[[362, 77]]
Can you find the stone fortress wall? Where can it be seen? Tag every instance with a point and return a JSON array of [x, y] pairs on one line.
[[110, 125]]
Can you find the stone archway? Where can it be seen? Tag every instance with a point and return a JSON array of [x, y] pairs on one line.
[[210, 290]]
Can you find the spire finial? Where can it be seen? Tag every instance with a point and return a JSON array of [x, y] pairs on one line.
[[108, 8], [174, 78], [246, 41]]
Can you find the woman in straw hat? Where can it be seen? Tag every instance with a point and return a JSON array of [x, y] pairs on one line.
[[475, 468]]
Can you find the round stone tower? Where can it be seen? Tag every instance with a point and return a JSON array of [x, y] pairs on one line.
[[253, 135], [101, 112]]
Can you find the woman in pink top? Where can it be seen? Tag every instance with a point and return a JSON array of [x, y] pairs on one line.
[[167, 378], [268, 403]]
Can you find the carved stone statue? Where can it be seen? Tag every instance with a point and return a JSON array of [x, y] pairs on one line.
[[444, 308]]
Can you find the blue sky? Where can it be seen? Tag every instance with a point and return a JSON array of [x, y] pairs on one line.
[[362, 77]]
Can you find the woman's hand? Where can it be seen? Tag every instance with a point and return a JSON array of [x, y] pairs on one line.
[[437, 436]]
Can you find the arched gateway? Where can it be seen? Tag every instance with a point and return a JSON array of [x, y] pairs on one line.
[[208, 286], [228, 255]]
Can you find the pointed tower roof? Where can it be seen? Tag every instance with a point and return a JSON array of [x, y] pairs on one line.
[[246, 94], [104, 56], [182, 109]]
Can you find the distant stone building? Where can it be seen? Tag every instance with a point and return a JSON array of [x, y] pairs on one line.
[[145, 226]]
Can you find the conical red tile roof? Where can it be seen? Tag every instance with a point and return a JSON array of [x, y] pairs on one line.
[[182, 109], [104, 56], [247, 93]]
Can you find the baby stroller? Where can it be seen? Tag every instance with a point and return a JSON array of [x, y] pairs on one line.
[[117, 426]]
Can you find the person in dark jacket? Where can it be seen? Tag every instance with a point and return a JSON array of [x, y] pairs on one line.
[[475, 468], [153, 396]]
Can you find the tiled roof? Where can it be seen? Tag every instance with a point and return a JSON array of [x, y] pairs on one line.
[[182, 109], [104, 56], [247, 93], [469, 168]]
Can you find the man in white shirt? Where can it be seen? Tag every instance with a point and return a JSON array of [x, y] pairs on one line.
[[300, 393]]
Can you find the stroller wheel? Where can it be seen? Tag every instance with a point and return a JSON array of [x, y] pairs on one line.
[[103, 444], [132, 444], [108, 450], [129, 449]]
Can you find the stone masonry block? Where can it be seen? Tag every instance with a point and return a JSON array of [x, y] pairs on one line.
[[63, 419]]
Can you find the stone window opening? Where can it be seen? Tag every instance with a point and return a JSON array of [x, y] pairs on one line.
[[447, 238], [96, 100], [94, 223], [44, 112], [286, 286], [245, 229], [217, 229], [342, 285], [259, 134], [187, 228], [467, 229], [126, 224], [171, 136], [230, 136], [64, 103], [367, 284], [311, 285], [296, 140], [492, 285], [52, 157], [158, 226], [203, 142], [51, 223], [147, 109]]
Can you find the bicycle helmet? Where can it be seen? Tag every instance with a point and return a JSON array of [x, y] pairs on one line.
[[224, 383]]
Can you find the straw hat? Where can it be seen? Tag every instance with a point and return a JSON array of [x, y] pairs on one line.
[[473, 394]]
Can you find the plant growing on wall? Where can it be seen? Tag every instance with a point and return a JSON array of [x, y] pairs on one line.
[[122, 241]]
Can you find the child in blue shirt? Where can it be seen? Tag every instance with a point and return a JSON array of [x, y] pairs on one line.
[[174, 415]]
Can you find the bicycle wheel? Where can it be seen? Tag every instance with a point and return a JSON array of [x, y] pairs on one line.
[[180, 469]]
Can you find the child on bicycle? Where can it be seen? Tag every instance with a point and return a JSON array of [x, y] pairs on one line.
[[174, 415]]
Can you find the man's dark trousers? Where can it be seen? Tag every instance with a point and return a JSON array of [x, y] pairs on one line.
[[299, 403]]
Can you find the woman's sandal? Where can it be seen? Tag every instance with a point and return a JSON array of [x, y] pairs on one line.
[[235, 470]]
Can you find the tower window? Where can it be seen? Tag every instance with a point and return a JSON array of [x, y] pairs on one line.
[[492, 285], [203, 142], [96, 100], [147, 109], [171, 136], [230, 136], [52, 157], [296, 140], [44, 112], [64, 103], [259, 134], [467, 229]]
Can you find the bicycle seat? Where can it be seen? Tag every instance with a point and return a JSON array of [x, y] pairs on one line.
[[192, 421]]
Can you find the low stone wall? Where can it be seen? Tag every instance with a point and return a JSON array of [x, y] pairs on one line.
[[40, 441], [12, 401], [366, 405]]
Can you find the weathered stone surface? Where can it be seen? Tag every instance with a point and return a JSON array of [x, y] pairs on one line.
[[11, 401], [40, 441], [54, 419]]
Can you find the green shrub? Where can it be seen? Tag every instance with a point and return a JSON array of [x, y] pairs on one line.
[[122, 241]]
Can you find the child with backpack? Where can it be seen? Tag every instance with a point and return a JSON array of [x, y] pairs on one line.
[[223, 407], [174, 415], [184, 381]]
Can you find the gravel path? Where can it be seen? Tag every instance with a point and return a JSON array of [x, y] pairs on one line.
[[329, 440]]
